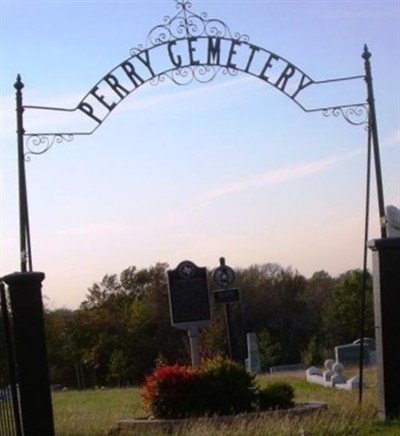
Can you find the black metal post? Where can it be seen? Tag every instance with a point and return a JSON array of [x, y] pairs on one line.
[[365, 271], [228, 323], [31, 353], [386, 275], [373, 125], [25, 249]]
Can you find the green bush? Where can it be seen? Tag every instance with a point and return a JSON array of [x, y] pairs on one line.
[[278, 395], [224, 387]]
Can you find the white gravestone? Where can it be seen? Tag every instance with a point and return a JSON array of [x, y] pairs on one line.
[[328, 373], [314, 375], [338, 376], [393, 221], [253, 353]]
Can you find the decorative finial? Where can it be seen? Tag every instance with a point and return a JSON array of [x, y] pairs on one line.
[[18, 85], [366, 53]]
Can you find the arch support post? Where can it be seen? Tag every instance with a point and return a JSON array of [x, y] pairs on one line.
[[25, 250], [373, 125]]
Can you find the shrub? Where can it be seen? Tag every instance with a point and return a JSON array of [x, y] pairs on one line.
[[218, 387], [224, 387], [167, 391], [278, 395]]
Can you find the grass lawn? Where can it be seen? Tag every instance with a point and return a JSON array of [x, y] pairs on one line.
[[94, 412]]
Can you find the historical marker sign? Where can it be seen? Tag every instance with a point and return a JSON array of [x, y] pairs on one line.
[[188, 295]]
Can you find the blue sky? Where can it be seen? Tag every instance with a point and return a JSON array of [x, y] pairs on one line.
[[229, 168]]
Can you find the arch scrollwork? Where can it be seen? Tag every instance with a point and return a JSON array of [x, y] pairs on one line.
[[193, 73], [186, 24], [356, 115], [37, 144]]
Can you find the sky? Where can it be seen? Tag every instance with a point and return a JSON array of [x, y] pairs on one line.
[[231, 167]]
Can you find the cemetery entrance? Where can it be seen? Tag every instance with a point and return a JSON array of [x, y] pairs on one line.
[[186, 48]]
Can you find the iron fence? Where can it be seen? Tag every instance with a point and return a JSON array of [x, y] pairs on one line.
[[10, 419]]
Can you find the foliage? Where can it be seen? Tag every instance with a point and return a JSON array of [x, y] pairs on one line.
[[224, 387], [167, 392], [218, 387], [341, 317], [274, 299], [269, 349], [313, 355], [277, 395], [116, 335]]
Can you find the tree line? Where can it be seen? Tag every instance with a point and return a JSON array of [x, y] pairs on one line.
[[122, 330]]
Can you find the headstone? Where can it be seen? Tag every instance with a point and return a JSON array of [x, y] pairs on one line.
[[370, 348], [367, 341], [354, 382], [328, 373], [349, 354], [313, 370], [314, 375], [393, 221], [338, 377], [253, 353], [287, 368]]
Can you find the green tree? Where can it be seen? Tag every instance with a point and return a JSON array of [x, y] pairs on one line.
[[341, 315], [60, 360], [274, 299], [318, 292], [269, 349], [122, 327]]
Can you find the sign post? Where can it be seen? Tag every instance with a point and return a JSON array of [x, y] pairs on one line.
[[223, 277], [189, 302]]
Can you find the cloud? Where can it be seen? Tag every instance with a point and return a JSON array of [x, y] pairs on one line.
[[93, 229], [281, 175], [234, 88], [393, 139], [49, 120], [286, 174]]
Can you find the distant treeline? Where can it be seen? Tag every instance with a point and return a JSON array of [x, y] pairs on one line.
[[123, 330]]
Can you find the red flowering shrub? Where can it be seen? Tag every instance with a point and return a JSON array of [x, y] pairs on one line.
[[167, 391]]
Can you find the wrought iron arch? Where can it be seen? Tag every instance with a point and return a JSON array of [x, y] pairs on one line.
[[188, 47]]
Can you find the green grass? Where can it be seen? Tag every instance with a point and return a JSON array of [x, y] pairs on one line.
[[95, 412]]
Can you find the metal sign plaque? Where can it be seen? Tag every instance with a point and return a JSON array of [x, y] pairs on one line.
[[188, 295], [225, 296], [224, 275]]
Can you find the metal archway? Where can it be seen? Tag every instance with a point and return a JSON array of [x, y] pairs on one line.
[[187, 47]]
